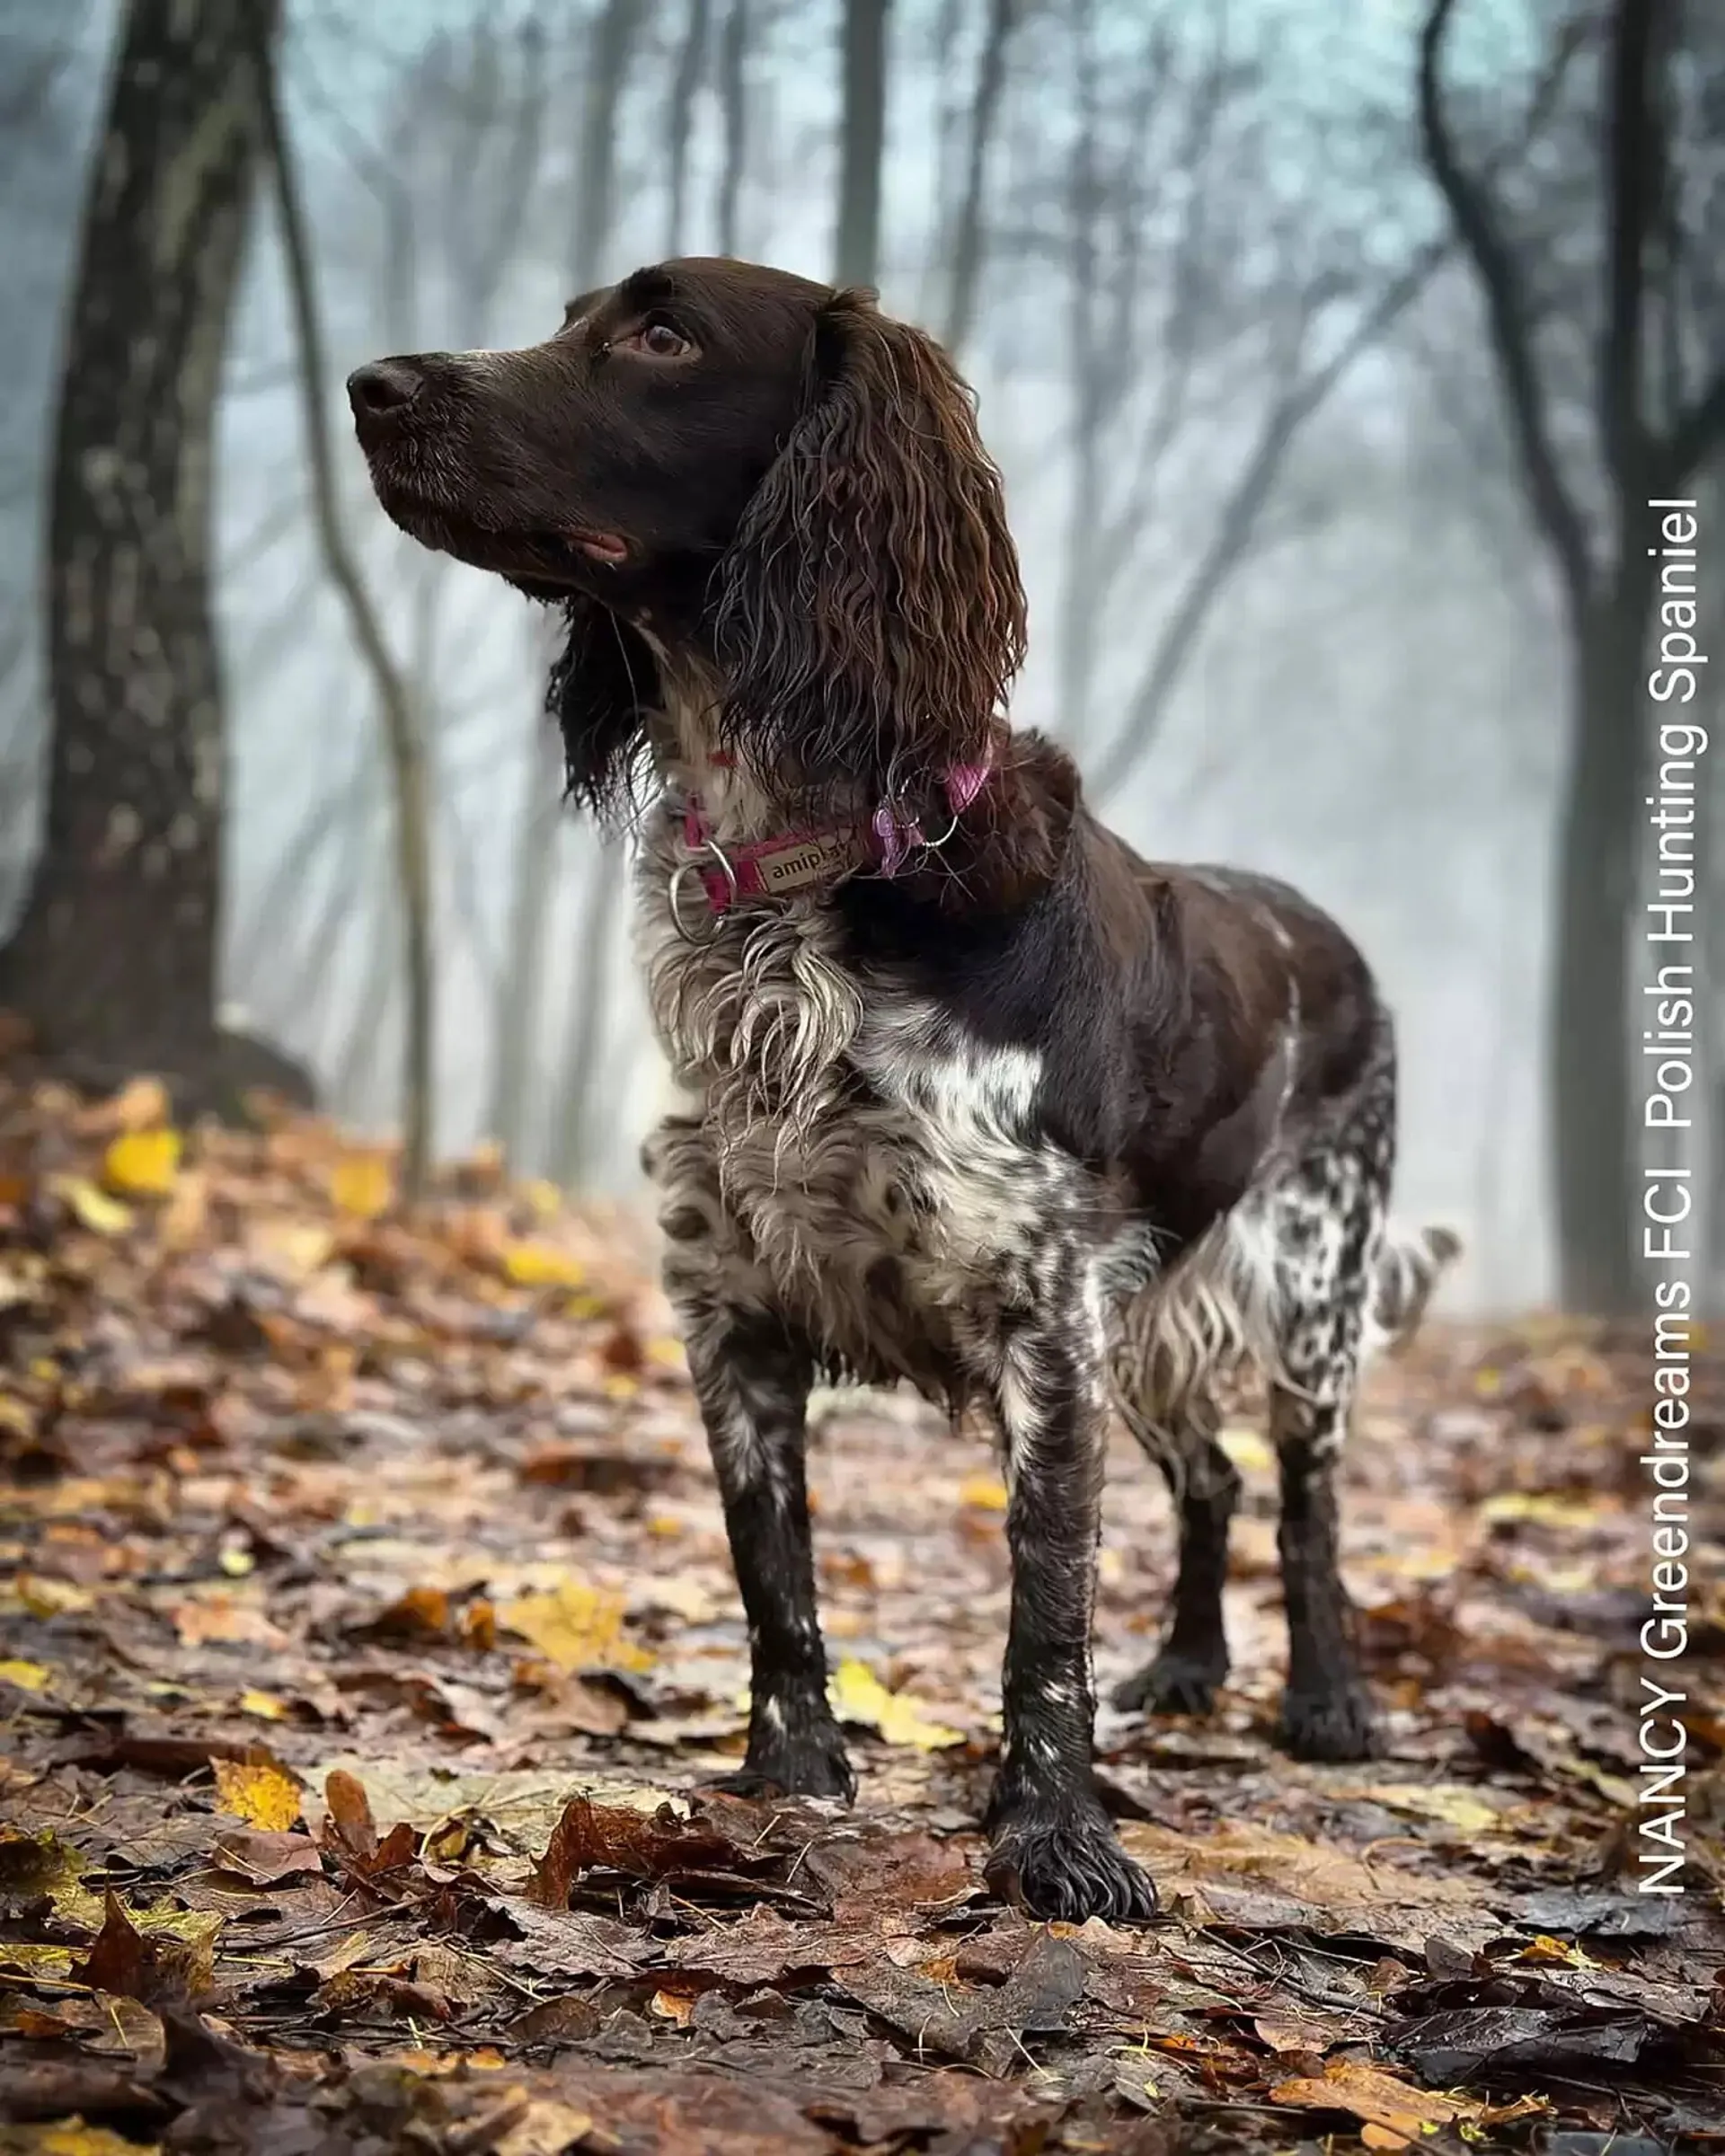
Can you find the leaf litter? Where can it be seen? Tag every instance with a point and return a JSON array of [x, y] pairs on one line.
[[370, 1668]]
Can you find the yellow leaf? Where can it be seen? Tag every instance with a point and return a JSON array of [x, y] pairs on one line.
[[1246, 1448], [93, 1209], [983, 1493], [142, 1163], [664, 1351], [75, 2139], [265, 1705], [28, 1676], [544, 1199], [265, 1795], [236, 1562], [1447, 1801], [362, 1184], [1512, 1505], [858, 1695], [531, 1264], [575, 1626], [44, 1598]]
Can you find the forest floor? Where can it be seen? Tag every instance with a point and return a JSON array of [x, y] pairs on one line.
[[367, 1635]]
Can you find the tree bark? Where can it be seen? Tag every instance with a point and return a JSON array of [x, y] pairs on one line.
[[967, 237], [115, 958], [1598, 841], [615, 37], [406, 748], [862, 140], [685, 81], [733, 106]]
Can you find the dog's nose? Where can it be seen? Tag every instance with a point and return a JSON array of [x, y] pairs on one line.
[[385, 385]]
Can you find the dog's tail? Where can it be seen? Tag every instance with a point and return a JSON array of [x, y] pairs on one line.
[[1410, 1265]]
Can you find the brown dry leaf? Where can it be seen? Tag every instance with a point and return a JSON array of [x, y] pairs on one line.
[[1399, 2111], [619, 1840], [350, 1820], [218, 1617], [139, 1105], [262, 1793], [547, 2127], [268, 1856]]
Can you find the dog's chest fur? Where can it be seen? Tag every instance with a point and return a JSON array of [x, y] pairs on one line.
[[875, 1171]]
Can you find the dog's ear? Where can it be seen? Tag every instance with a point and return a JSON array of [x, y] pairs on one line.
[[868, 613], [603, 683]]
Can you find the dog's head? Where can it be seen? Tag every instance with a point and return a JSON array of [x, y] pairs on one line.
[[769, 477]]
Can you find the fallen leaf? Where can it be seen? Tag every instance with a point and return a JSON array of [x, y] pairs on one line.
[[362, 1185], [1401, 2112], [983, 1493], [541, 1265], [93, 1209], [142, 1163], [264, 1794], [28, 1676], [547, 2127], [858, 1695], [575, 1626]]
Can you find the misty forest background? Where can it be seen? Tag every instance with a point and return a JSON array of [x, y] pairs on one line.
[[1330, 354]]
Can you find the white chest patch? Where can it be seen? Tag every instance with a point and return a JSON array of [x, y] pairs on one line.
[[885, 1169]]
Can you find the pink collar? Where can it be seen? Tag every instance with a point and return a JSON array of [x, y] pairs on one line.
[[772, 868]]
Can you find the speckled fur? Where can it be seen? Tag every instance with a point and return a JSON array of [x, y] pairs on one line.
[[1028, 1123]]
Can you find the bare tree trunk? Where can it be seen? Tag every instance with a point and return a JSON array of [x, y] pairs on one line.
[[856, 258], [967, 237], [524, 951], [614, 39], [733, 105], [1649, 447], [590, 1001], [691, 64], [401, 724], [1588, 1081], [115, 957]]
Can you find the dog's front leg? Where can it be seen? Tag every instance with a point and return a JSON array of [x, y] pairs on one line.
[[752, 1374], [1053, 1843], [752, 1369]]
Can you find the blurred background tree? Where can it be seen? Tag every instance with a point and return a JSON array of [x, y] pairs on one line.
[[1328, 355]]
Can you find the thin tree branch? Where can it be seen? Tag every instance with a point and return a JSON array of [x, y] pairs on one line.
[[1507, 318], [400, 726], [1240, 511], [1629, 192]]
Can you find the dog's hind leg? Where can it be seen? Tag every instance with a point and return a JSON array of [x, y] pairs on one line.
[[1182, 1676], [1329, 1214]]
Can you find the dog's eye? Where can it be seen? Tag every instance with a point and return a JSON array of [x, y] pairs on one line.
[[657, 338]]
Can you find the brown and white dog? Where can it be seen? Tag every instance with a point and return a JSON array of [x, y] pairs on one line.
[[977, 1099]]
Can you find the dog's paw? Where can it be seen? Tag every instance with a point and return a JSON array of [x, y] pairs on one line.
[[1067, 1863], [1171, 1683], [1331, 1726], [809, 1762]]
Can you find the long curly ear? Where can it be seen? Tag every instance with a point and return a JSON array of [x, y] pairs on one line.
[[868, 616], [603, 684]]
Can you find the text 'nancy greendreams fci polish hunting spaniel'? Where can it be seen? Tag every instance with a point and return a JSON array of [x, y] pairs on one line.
[[976, 1098]]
